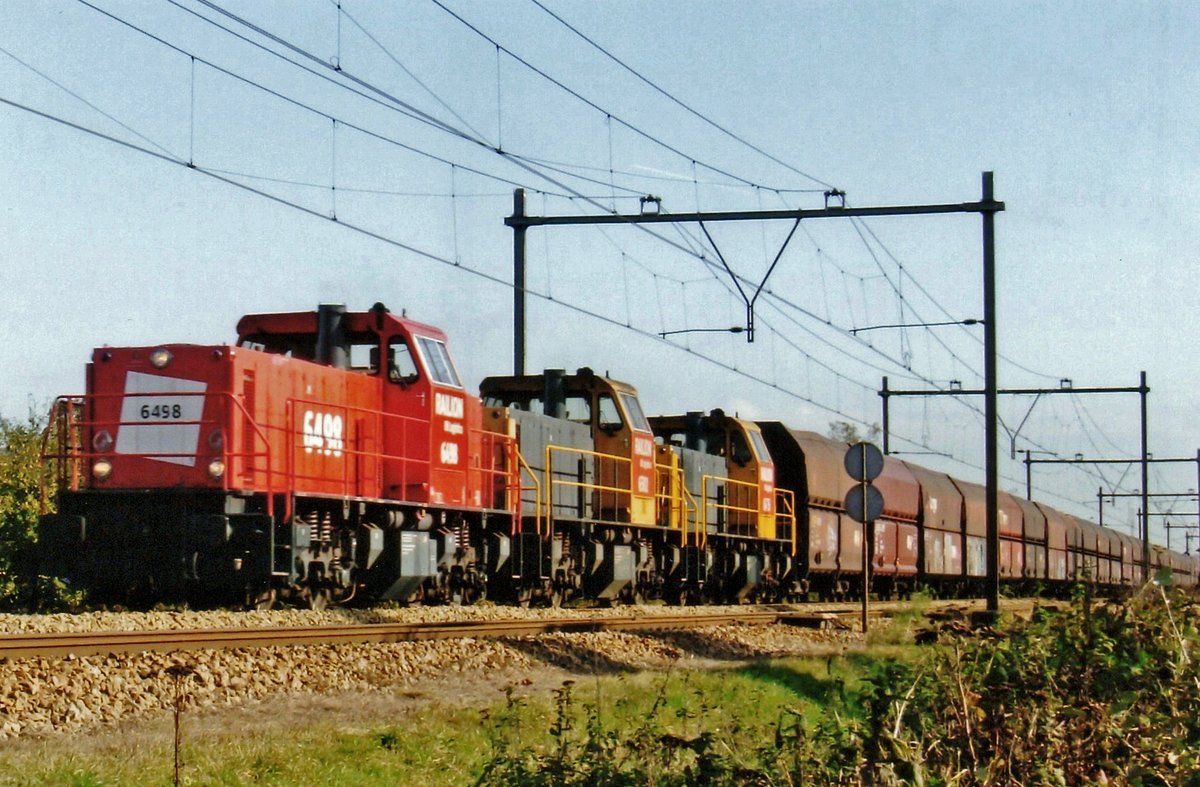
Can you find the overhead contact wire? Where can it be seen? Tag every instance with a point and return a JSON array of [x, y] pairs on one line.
[[419, 252], [695, 113], [580, 97], [437, 123]]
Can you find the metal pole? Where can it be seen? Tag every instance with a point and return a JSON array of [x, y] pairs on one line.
[[1100, 502], [883, 392], [866, 564], [991, 415], [1145, 557], [1143, 390], [1028, 477], [866, 554], [518, 283]]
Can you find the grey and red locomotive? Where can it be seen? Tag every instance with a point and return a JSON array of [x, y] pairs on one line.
[[334, 457]]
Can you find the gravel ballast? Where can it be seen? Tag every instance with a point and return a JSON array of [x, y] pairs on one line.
[[54, 695]]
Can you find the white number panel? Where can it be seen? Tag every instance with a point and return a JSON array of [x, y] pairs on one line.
[[155, 422]]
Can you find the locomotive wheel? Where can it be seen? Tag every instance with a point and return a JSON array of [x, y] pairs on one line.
[[469, 594], [264, 600], [524, 597], [317, 598]]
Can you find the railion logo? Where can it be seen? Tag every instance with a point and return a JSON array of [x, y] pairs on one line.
[[323, 433], [448, 406]]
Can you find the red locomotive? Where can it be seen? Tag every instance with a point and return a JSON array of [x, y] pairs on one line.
[[336, 456], [324, 454]]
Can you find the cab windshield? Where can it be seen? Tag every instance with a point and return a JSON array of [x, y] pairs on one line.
[[637, 419], [437, 360]]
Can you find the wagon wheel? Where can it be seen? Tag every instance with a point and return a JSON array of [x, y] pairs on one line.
[[472, 593]]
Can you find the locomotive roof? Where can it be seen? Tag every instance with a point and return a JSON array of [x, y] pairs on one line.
[[583, 379], [716, 420], [378, 318]]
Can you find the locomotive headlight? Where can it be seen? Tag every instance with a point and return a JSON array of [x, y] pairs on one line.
[[216, 440], [216, 468], [160, 358], [101, 469], [102, 442]]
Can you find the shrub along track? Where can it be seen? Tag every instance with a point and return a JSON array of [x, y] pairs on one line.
[[110, 676]]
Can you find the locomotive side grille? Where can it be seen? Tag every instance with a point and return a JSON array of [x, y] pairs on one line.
[[248, 434]]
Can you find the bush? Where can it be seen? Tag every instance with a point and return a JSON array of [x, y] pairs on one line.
[[21, 481], [1089, 696]]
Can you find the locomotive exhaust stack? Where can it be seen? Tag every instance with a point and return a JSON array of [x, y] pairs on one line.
[[332, 348]]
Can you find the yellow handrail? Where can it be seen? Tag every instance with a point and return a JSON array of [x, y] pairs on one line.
[[785, 509], [552, 482], [695, 508], [537, 492], [675, 500], [732, 508]]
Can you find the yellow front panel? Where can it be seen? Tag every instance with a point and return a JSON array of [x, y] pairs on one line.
[[642, 510]]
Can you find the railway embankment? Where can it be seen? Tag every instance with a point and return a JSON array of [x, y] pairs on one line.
[[49, 694]]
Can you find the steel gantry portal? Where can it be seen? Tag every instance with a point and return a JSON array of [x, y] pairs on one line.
[[987, 207], [1142, 389]]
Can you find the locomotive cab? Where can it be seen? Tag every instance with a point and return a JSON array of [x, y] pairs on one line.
[[613, 443], [739, 496], [417, 443]]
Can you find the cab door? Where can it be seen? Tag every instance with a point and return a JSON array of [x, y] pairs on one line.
[[621, 430], [448, 447], [406, 423]]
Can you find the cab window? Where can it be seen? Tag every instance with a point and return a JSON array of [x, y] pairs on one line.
[[739, 449], [610, 415], [760, 446], [402, 367], [437, 359], [637, 418], [579, 409], [364, 354]]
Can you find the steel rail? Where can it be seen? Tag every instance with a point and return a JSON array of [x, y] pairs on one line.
[[91, 643]]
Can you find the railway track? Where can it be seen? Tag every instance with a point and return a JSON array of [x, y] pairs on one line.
[[88, 643], [52, 645]]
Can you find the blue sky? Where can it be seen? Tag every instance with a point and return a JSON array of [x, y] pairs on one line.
[[1087, 114]]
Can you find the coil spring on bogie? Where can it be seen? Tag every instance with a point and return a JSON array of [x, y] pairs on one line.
[[462, 536], [322, 527]]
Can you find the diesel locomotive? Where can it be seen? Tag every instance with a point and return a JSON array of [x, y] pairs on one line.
[[337, 457]]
